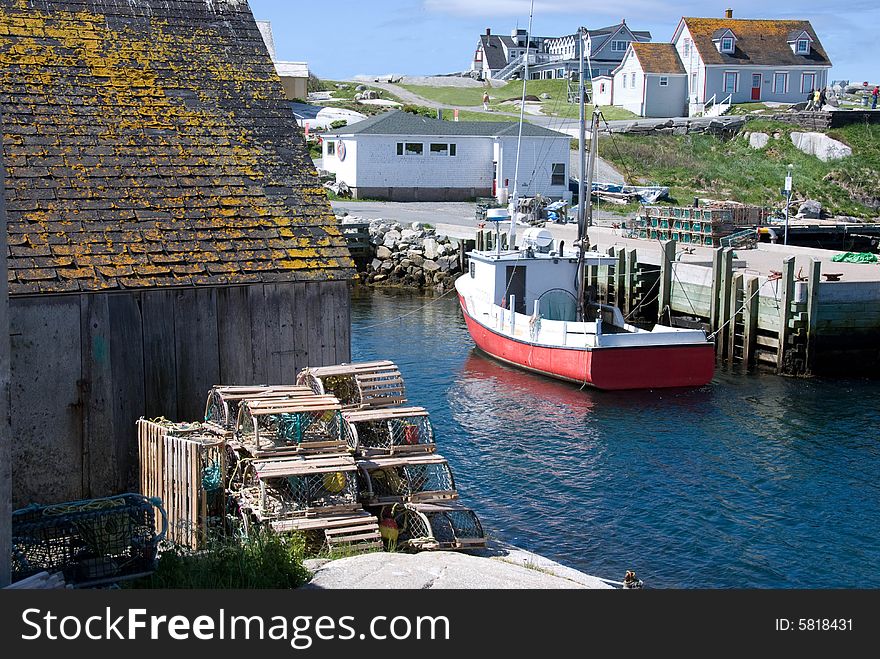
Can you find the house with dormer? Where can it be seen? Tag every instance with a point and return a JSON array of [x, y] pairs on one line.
[[750, 60]]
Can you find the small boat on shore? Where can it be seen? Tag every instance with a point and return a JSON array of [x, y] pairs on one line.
[[528, 306]]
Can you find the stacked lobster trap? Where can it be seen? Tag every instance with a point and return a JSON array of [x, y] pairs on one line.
[[329, 457], [401, 477]]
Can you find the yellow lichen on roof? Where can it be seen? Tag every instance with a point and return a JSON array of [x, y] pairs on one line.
[[658, 57], [149, 140]]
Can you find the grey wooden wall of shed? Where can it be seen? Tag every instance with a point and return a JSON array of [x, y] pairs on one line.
[[86, 367]]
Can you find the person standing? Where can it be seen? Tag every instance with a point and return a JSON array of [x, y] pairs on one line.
[[486, 101], [822, 99], [874, 93], [810, 99]]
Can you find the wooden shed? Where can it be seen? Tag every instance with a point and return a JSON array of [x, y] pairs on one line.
[[166, 229]]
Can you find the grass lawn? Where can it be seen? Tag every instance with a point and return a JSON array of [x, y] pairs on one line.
[[704, 166], [753, 108]]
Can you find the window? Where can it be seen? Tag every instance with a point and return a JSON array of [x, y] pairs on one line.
[[558, 175], [687, 48], [619, 46], [601, 87], [560, 73], [410, 148], [664, 81], [624, 81], [727, 45], [808, 82], [452, 150], [693, 81], [472, 268], [331, 148], [780, 83], [442, 150], [633, 80], [803, 46], [730, 81]]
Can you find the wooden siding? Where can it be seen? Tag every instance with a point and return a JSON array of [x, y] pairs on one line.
[[86, 367]]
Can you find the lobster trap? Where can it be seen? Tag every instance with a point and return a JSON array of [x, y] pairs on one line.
[[390, 431], [92, 542], [185, 467], [430, 526], [405, 479], [221, 409], [311, 424], [364, 385], [306, 493]]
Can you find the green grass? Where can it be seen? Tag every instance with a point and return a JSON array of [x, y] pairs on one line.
[[705, 166], [265, 560], [752, 108], [556, 106]]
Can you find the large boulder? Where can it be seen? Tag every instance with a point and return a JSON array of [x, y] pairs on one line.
[[758, 140], [430, 246], [810, 209], [821, 146], [383, 252], [430, 266], [391, 238]]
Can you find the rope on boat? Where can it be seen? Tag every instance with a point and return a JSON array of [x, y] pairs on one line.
[[409, 313]]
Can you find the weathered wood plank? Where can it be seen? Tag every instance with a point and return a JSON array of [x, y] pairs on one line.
[[46, 403], [197, 349], [750, 319], [342, 322], [813, 312], [313, 323], [235, 340], [127, 363], [274, 341], [787, 293], [160, 356], [300, 328], [287, 329], [259, 347], [99, 468], [330, 299]]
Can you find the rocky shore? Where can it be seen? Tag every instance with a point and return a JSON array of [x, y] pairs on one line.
[[412, 255]]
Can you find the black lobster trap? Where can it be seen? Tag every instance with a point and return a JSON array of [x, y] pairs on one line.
[[370, 385], [430, 526], [92, 542], [309, 424], [402, 479], [390, 431]]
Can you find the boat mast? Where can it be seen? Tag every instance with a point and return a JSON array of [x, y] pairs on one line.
[[585, 201], [582, 159], [514, 199]]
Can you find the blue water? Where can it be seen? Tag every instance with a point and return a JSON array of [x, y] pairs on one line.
[[751, 481]]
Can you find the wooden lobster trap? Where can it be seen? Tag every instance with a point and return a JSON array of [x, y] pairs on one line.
[[430, 526], [364, 385], [311, 424], [184, 466], [404, 479], [221, 409], [390, 431], [305, 493]]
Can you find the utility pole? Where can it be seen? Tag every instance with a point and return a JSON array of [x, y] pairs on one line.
[[786, 192]]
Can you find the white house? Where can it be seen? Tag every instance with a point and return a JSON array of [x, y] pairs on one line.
[[750, 60], [651, 81], [406, 157]]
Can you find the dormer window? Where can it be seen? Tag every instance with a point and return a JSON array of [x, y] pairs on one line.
[[727, 45], [803, 47]]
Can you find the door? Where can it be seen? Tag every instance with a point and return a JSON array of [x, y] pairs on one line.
[[756, 86], [516, 286]]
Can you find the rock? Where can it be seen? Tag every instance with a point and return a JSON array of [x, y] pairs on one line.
[[383, 252], [360, 88], [416, 226], [376, 264], [411, 235], [430, 266], [545, 96], [758, 140], [380, 277], [405, 263], [415, 252], [821, 146], [430, 246], [391, 238], [387, 265], [810, 209], [417, 260]]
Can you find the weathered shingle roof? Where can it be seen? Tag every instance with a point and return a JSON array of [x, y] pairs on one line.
[[493, 51], [149, 144], [658, 58], [402, 123], [758, 42]]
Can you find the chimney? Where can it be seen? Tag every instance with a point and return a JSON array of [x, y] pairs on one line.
[[488, 31], [728, 13], [623, 21]]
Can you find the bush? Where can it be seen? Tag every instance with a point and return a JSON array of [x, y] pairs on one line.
[[315, 84], [420, 110], [265, 560], [339, 123]]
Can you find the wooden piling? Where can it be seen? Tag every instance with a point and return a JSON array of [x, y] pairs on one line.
[[714, 312], [632, 264], [786, 295], [620, 280], [723, 304], [812, 313], [667, 263], [750, 320]]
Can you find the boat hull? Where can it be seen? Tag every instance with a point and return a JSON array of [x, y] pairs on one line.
[[648, 367]]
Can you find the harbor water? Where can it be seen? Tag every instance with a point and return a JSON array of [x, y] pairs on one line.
[[754, 481]]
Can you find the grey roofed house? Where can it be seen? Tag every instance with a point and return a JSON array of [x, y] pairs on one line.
[[398, 122], [495, 50]]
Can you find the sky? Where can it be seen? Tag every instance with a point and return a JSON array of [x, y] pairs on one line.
[[344, 38]]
